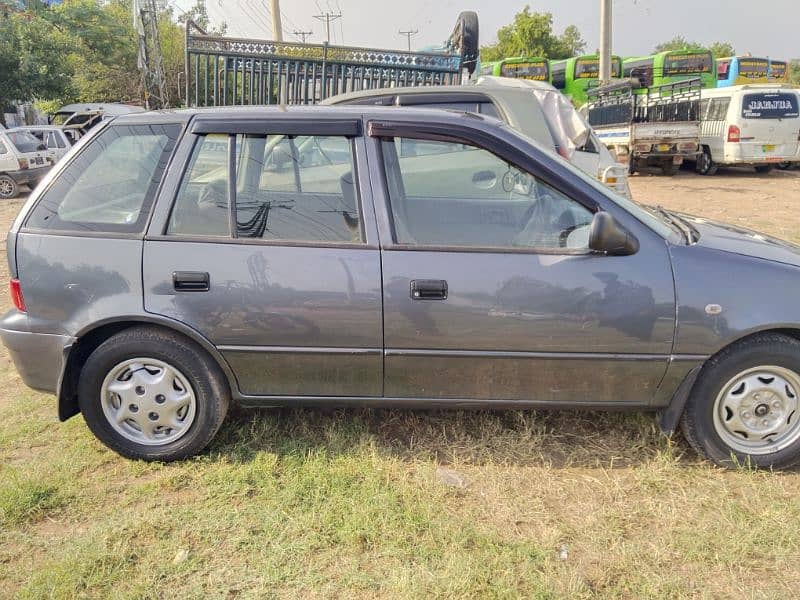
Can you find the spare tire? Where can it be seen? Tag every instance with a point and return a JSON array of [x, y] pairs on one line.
[[465, 39]]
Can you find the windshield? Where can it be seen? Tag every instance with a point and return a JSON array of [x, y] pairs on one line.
[[679, 64], [536, 70], [766, 105], [24, 141], [60, 118], [778, 69], [589, 68], [753, 68]]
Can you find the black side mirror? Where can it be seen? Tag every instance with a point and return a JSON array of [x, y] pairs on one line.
[[609, 237]]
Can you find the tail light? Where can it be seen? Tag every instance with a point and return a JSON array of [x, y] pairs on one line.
[[15, 290], [23, 164], [734, 134]]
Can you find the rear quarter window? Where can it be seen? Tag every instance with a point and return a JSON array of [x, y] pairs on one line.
[[110, 185], [777, 105]]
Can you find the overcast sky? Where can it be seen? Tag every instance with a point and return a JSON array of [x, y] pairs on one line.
[[757, 26]]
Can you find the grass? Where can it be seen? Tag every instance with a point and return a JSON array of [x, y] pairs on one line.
[[319, 504]]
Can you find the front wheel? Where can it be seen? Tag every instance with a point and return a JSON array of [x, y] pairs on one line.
[[745, 407], [8, 188], [150, 394]]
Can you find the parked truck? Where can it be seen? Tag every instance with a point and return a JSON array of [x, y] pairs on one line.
[[648, 127]]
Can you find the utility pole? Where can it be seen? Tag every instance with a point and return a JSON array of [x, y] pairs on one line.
[[328, 17], [408, 34], [277, 29], [605, 41], [303, 34], [150, 62]]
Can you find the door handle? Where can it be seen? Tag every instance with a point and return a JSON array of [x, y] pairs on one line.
[[190, 281], [428, 289]]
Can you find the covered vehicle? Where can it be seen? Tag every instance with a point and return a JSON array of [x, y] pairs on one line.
[[534, 108], [175, 262], [23, 161]]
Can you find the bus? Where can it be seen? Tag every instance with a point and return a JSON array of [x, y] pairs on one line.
[[519, 67], [778, 71], [671, 66], [574, 76], [741, 70]]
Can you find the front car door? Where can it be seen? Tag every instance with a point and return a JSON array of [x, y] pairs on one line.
[[269, 251], [490, 292]]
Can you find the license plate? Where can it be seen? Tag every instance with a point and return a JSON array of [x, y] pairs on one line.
[[664, 147], [768, 148], [39, 160]]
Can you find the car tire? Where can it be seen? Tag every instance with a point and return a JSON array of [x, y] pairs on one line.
[[784, 166], [744, 408], [705, 165], [151, 394], [764, 168], [8, 187]]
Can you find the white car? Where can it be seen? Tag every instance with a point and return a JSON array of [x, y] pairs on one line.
[[534, 108], [23, 161], [52, 136], [754, 125]]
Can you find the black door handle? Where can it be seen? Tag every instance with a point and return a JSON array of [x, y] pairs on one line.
[[190, 281], [428, 289]]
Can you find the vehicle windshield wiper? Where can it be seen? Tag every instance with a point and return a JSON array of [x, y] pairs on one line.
[[679, 223]]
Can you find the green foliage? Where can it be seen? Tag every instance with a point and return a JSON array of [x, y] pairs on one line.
[[531, 34], [794, 72], [33, 60], [718, 49]]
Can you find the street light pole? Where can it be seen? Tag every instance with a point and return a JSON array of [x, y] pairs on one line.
[[605, 40], [277, 27]]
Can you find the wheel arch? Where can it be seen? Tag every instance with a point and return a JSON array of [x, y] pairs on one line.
[[670, 415], [88, 339]]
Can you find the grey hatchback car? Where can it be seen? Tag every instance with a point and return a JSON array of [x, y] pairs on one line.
[[174, 262]]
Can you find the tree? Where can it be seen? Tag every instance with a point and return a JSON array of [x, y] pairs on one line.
[[794, 72], [531, 34], [718, 49], [33, 60]]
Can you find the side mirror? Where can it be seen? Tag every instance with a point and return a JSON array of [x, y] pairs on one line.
[[609, 237]]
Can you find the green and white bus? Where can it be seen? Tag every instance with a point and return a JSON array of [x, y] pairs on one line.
[[574, 76], [519, 67], [671, 66]]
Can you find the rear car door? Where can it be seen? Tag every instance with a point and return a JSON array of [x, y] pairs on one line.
[[490, 291], [269, 251]]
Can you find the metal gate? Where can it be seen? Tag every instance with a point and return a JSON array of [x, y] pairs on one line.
[[223, 71]]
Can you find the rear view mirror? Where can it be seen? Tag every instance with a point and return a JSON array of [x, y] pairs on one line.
[[606, 235]]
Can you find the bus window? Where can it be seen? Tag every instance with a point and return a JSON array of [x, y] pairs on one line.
[[587, 68], [558, 72], [641, 70], [536, 70], [753, 68], [778, 70], [723, 69], [681, 64]]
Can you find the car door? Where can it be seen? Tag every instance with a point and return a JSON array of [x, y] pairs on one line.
[[269, 251], [490, 291]]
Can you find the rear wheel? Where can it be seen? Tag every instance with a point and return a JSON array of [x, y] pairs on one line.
[[8, 188], [153, 395], [705, 165], [745, 407], [764, 168]]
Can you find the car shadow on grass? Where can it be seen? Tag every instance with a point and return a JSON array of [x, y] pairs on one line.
[[567, 438]]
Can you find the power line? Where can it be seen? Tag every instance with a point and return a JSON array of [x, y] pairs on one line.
[[303, 34], [327, 17], [409, 33]]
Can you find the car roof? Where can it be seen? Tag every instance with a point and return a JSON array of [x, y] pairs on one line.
[[111, 108], [43, 127], [748, 87]]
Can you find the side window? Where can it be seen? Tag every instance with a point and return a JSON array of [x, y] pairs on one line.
[[704, 109], [3, 149], [476, 199], [718, 109], [110, 185], [293, 188], [201, 207]]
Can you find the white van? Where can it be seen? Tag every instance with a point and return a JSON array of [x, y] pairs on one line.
[[749, 125], [23, 160]]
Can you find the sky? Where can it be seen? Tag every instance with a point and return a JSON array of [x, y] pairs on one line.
[[763, 28]]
